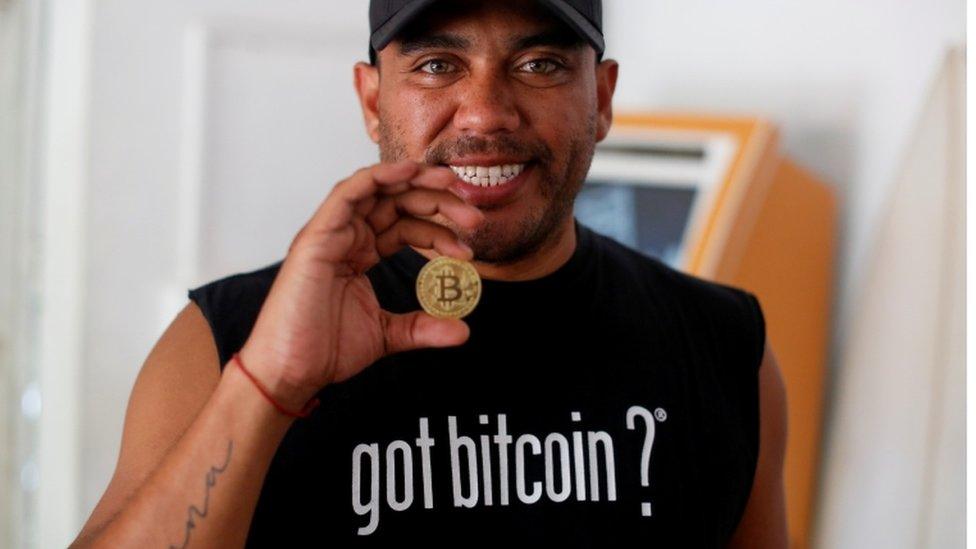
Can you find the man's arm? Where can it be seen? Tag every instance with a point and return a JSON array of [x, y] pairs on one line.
[[763, 524], [195, 449]]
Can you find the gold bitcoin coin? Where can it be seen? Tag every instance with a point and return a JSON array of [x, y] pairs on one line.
[[448, 287]]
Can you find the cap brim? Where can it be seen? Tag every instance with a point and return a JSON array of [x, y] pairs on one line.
[[388, 30]]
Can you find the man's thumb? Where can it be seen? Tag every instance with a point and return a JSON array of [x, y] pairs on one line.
[[418, 329]]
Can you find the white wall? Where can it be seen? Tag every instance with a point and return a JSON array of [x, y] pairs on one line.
[[843, 79], [896, 457]]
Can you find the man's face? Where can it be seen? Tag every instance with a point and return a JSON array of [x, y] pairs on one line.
[[457, 88]]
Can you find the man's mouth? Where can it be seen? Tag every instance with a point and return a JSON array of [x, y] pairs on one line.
[[489, 182], [488, 176]]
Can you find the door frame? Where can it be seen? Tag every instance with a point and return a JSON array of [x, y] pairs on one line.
[[48, 89]]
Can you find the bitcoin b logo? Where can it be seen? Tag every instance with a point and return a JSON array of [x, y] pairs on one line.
[[449, 289]]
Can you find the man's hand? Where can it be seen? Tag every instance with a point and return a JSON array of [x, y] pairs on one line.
[[321, 322]]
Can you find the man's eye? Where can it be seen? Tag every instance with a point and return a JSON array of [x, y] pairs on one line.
[[542, 66], [438, 66]]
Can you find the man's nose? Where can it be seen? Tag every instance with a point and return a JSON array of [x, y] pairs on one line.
[[487, 105]]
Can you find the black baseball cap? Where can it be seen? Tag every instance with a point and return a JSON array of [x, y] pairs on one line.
[[388, 17]]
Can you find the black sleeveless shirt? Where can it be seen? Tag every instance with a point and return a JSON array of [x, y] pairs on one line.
[[613, 402]]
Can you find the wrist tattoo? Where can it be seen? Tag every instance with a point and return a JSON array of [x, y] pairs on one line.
[[193, 512]]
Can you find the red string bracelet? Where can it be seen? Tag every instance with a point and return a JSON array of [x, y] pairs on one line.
[[304, 412]]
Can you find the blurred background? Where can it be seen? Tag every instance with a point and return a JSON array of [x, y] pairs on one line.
[[809, 151]]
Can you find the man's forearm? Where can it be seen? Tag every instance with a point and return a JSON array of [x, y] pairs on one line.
[[204, 492]]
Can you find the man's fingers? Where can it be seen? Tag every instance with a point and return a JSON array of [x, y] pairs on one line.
[[338, 209], [397, 178], [422, 234], [343, 202], [433, 177], [394, 172], [423, 202], [418, 329]]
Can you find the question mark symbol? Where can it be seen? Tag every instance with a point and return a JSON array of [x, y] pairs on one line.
[[633, 412]]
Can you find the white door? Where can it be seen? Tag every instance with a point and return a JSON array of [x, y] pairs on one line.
[[216, 128]]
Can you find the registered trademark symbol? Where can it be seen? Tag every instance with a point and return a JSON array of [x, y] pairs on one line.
[[660, 414]]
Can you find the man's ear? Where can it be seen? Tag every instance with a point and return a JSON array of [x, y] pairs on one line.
[[606, 83], [367, 81]]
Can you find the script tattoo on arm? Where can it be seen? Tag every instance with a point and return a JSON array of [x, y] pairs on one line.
[[193, 511]]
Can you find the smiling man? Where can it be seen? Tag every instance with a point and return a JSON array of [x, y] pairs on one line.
[[515, 109], [595, 397]]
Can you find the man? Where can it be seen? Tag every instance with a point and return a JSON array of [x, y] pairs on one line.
[[594, 396]]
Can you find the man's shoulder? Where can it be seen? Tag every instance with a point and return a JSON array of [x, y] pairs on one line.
[[238, 293], [231, 305], [731, 312], [251, 280], [661, 278]]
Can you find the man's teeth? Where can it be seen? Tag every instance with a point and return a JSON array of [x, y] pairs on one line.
[[488, 176]]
